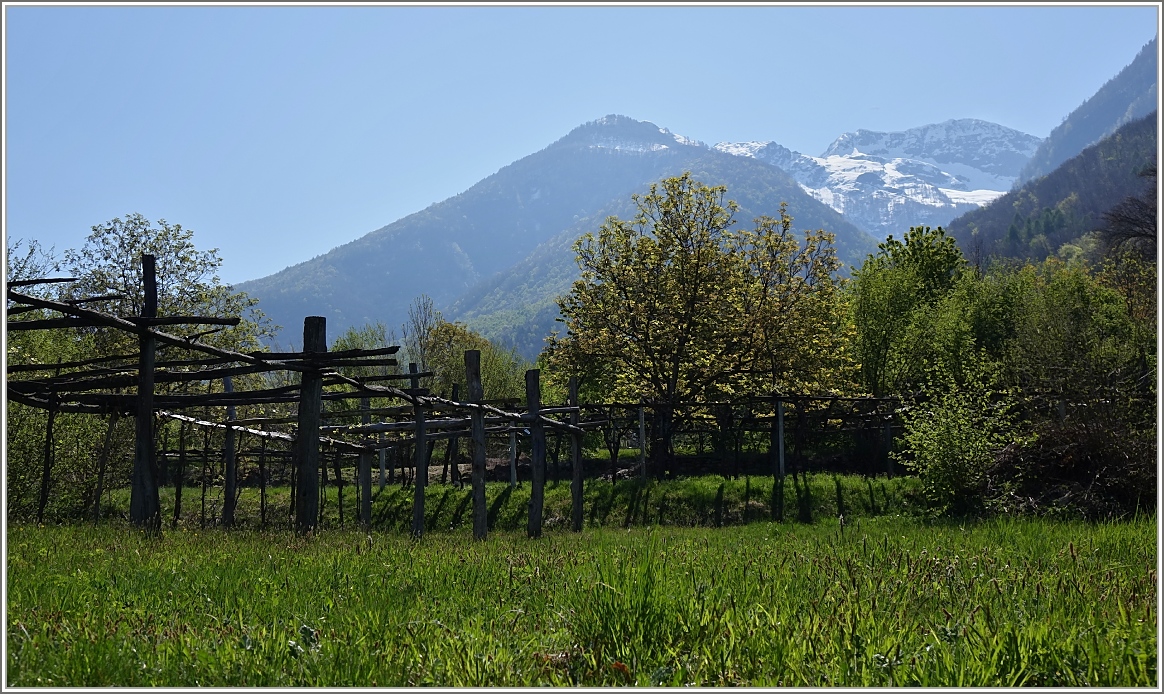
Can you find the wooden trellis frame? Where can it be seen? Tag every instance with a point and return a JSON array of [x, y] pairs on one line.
[[74, 392]]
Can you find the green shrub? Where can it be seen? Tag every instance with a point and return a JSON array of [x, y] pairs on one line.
[[950, 443]]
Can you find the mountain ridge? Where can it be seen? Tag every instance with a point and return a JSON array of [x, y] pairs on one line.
[[450, 246], [888, 181], [1131, 94]]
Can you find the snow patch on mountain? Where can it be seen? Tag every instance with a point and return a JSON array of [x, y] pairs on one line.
[[623, 134], [887, 182]]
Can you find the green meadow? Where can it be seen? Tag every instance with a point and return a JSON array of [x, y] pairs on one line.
[[877, 600]]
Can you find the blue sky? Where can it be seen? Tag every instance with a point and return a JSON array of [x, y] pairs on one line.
[[278, 133]]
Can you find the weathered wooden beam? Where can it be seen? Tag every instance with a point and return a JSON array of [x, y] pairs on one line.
[[533, 397], [365, 471], [778, 461], [123, 378], [230, 462], [575, 459], [326, 356], [307, 442], [477, 446], [117, 323], [144, 504], [421, 480], [49, 456], [50, 323], [43, 280]]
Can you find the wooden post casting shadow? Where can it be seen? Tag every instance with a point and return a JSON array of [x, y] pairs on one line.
[[477, 394], [307, 486], [533, 397]]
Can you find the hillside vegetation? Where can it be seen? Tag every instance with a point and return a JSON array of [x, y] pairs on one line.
[[1036, 220], [1131, 94]]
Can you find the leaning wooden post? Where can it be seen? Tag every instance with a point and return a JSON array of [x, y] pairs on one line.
[[181, 474], [421, 453], [512, 458], [477, 446], [307, 439], [452, 450], [229, 459], [144, 504], [101, 463], [642, 441], [383, 459], [49, 453], [263, 478], [889, 445], [575, 460], [533, 397], [778, 461], [365, 470]]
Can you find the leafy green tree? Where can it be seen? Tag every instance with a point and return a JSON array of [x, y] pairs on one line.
[[895, 294], [71, 480], [675, 306], [109, 264], [1073, 335], [502, 371]]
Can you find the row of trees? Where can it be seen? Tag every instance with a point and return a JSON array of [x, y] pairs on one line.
[[677, 306]]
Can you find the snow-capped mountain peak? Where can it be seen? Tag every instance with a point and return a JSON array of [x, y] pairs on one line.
[[887, 182], [624, 134]]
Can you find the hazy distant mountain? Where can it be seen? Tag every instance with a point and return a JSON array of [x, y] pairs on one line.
[[1035, 220], [451, 247], [1131, 94], [517, 308], [888, 182]]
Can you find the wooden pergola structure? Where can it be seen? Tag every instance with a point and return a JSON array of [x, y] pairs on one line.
[[86, 390]]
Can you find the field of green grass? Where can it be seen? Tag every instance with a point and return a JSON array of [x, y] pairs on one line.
[[709, 500], [879, 600]]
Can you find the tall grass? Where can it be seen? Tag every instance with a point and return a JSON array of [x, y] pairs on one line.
[[873, 602], [709, 500]]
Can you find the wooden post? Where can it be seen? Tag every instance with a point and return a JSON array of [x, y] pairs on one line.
[[383, 459], [421, 454], [477, 447], [230, 461], [575, 460], [46, 474], [205, 462], [307, 441], [322, 487], [144, 505], [889, 446], [513, 458], [263, 479], [181, 474], [452, 452], [557, 476], [339, 482], [778, 460], [642, 442], [533, 396], [365, 471], [101, 463], [293, 458]]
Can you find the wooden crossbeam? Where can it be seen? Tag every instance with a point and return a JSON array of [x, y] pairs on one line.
[[43, 280]]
